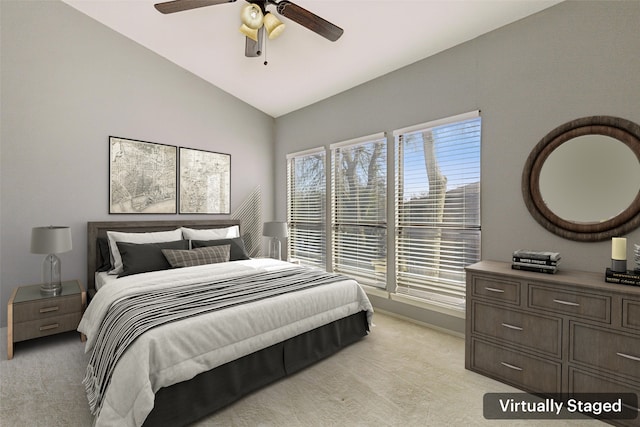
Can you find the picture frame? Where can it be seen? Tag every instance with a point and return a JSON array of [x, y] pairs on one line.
[[205, 182], [143, 177]]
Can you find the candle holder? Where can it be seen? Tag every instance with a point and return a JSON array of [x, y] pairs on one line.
[[619, 255]]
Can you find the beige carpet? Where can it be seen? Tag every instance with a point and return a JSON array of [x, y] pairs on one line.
[[402, 374]]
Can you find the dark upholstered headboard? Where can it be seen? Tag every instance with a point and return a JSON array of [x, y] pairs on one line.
[[99, 229]]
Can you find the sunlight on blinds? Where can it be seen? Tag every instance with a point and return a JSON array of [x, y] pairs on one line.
[[437, 208], [306, 199], [359, 200]]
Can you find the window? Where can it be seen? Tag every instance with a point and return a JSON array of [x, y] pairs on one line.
[[306, 207], [437, 207], [358, 209]]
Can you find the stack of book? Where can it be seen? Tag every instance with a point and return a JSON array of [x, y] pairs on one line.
[[631, 277], [540, 262]]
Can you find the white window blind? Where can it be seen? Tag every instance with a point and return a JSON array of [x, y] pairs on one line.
[[306, 207], [359, 203], [437, 208]]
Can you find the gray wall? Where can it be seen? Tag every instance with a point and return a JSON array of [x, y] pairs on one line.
[[68, 83], [575, 59]]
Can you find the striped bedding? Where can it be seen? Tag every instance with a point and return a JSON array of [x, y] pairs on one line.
[[264, 301]]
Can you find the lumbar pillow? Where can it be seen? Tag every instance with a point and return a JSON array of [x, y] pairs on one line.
[[199, 256], [144, 257]]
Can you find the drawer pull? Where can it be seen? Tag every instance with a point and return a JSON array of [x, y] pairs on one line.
[[628, 356], [573, 304], [517, 328], [47, 327], [499, 291], [510, 366], [48, 309]]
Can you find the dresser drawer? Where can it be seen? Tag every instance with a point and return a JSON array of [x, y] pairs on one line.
[[498, 290], [631, 313], [45, 308], [578, 304], [532, 331], [527, 372], [586, 382], [48, 326], [604, 349]]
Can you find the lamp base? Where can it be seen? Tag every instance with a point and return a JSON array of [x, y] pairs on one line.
[[51, 289], [275, 248]]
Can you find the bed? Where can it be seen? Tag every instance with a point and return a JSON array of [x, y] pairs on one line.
[[220, 348]]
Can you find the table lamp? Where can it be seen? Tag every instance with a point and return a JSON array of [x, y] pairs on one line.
[[275, 230], [50, 240]]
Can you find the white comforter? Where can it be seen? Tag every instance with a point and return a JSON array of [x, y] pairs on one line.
[[177, 352]]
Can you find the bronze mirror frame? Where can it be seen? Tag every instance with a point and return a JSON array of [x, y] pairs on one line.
[[626, 221]]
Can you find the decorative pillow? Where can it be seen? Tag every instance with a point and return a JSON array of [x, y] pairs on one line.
[[143, 257], [211, 234], [199, 256], [238, 251], [155, 237], [103, 249]]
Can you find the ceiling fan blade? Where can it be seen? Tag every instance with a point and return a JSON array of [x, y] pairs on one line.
[[310, 20], [180, 5]]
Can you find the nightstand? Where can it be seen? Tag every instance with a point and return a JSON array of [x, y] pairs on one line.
[[33, 315]]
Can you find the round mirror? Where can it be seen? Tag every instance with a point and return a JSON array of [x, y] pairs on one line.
[[582, 180]]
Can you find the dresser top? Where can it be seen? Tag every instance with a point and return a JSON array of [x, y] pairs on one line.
[[561, 277], [32, 292]]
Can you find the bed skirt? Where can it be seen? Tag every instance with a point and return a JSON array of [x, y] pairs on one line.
[[186, 402]]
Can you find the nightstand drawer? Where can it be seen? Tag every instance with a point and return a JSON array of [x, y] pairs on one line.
[[498, 290], [579, 304], [605, 349], [519, 369], [48, 326], [535, 332], [631, 313], [45, 308]]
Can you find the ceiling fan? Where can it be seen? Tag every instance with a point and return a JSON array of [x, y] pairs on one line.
[[256, 19]]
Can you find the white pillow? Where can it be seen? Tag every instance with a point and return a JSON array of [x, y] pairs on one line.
[[118, 236], [211, 234]]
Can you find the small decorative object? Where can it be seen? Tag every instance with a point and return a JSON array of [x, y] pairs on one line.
[[619, 255], [536, 261], [205, 182], [277, 231], [142, 177], [51, 240], [636, 257]]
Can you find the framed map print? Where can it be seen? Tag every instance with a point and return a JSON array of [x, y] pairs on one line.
[[142, 177], [205, 182]]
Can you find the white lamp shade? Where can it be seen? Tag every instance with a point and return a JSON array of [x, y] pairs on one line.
[[275, 229], [50, 240]]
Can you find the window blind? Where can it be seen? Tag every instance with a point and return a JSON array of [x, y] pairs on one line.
[[437, 208], [306, 210], [358, 209]]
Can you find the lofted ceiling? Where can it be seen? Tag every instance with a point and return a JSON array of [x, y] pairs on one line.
[[380, 36]]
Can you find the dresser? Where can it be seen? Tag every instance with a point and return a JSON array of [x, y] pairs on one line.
[[32, 315], [569, 332]]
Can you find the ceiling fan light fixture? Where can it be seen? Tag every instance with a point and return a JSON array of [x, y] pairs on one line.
[[252, 16], [252, 33], [273, 25]]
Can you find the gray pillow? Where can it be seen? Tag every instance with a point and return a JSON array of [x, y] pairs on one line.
[[143, 257], [198, 256], [238, 251]]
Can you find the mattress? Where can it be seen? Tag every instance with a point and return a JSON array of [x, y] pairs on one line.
[[177, 352]]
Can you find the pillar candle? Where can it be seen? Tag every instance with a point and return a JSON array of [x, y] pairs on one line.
[[619, 248]]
